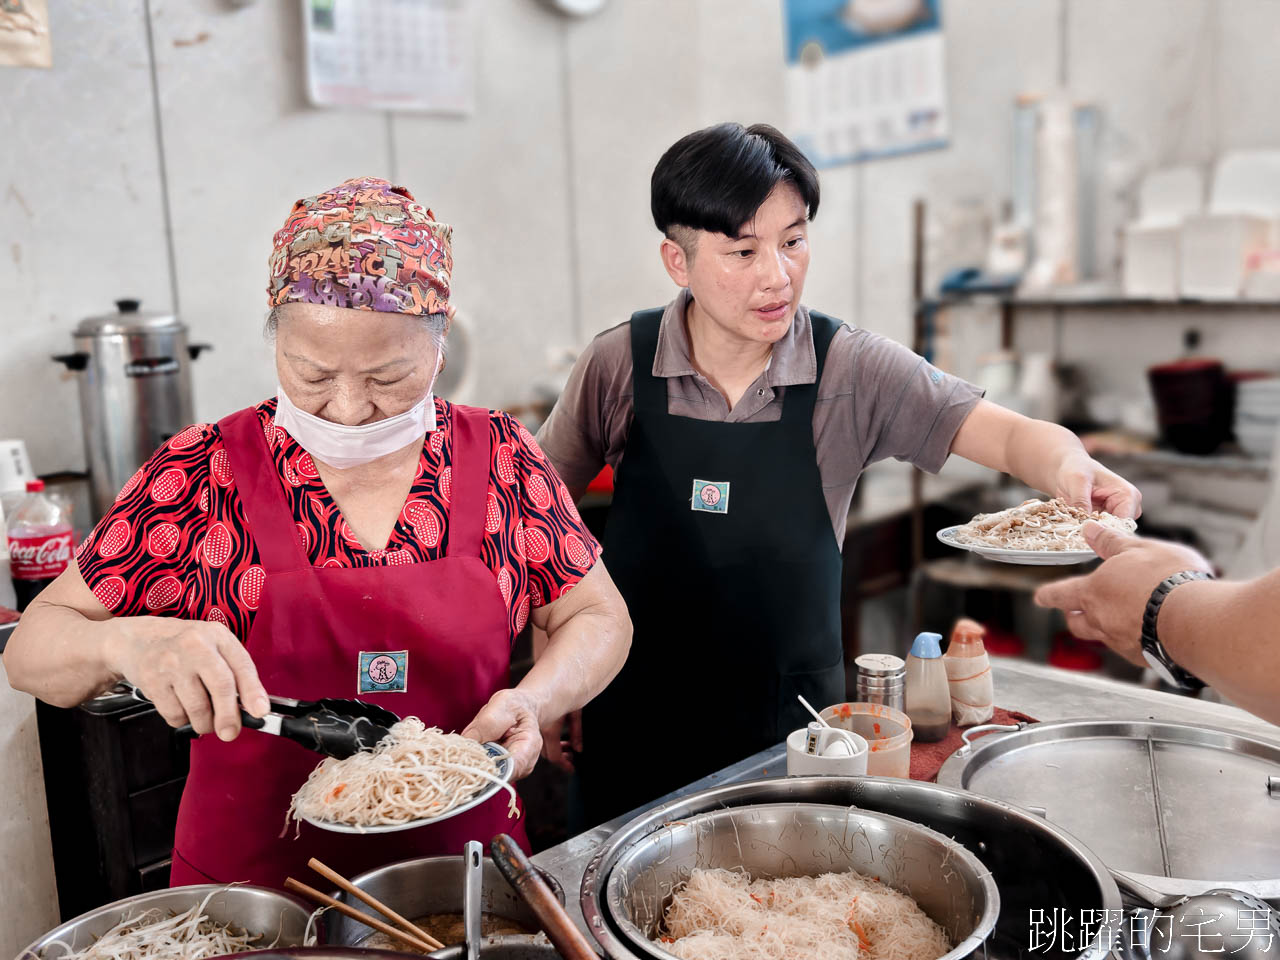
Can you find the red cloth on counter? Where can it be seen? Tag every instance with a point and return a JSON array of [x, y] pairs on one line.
[[927, 758], [7, 615]]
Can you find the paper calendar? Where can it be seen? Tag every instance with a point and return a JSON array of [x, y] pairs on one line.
[[391, 54]]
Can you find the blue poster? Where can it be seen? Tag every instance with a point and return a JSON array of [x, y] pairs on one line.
[[865, 78]]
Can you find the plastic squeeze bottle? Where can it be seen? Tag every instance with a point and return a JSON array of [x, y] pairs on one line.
[[928, 696], [969, 674]]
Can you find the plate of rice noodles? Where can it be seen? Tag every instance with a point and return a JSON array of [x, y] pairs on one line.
[[416, 776], [1036, 532]]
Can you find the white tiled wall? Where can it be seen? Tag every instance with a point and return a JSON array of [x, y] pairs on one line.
[[546, 185]]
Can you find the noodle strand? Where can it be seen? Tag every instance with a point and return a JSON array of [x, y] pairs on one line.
[[416, 773], [837, 916]]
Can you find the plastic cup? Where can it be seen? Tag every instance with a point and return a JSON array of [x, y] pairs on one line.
[[886, 730]]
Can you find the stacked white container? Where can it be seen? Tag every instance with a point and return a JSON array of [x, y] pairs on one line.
[[1258, 416], [1243, 219], [1151, 243]]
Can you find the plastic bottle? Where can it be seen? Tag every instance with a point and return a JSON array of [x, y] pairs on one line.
[[928, 696], [969, 674], [7, 597], [40, 543]]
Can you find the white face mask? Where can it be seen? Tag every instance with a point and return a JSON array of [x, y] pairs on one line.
[[341, 446]]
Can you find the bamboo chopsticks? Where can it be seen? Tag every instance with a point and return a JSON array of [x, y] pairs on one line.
[[410, 935]]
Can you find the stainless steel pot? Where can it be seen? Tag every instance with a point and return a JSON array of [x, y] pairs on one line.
[[1164, 786], [427, 885], [280, 918], [135, 391], [503, 948], [772, 840], [496, 949], [1035, 866]]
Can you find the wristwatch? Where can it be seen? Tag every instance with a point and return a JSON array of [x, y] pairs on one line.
[[1153, 650]]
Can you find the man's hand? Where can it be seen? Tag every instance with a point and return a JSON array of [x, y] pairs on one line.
[[511, 719], [555, 749], [1084, 482], [1107, 605]]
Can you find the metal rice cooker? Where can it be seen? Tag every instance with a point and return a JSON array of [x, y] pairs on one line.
[[135, 391]]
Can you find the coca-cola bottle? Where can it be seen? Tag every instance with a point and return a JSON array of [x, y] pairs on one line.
[[39, 543]]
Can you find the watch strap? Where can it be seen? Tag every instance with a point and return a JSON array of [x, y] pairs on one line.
[[1152, 649]]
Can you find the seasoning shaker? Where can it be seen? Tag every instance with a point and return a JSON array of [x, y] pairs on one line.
[[881, 679]]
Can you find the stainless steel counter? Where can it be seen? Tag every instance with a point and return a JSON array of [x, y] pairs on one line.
[[1043, 692]]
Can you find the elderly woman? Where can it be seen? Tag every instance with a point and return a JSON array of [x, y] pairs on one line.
[[354, 536]]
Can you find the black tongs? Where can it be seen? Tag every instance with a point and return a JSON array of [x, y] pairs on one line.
[[332, 727]]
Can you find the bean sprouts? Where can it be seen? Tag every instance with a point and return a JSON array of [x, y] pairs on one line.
[[160, 935]]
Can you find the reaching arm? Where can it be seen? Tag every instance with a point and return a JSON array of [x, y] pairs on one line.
[[68, 648], [1223, 632], [588, 635], [1044, 456]]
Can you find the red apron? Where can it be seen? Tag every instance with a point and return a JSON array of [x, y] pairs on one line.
[[306, 640]]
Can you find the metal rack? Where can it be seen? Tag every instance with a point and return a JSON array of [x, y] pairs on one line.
[[1060, 303]]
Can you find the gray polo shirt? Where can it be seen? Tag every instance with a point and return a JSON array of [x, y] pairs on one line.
[[877, 399]]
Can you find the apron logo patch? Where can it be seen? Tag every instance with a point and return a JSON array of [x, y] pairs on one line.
[[383, 671], [710, 496]]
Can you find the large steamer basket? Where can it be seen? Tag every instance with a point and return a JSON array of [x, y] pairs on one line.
[[279, 918], [774, 840], [1043, 874]]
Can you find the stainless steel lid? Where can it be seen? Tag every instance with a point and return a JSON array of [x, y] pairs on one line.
[[1180, 807], [128, 319], [880, 665]]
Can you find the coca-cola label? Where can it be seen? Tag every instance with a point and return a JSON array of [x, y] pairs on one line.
[[40, 558]]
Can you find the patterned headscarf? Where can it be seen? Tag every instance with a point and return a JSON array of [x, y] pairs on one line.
[[364, 244]]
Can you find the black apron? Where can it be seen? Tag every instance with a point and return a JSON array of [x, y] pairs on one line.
[[735, 612]]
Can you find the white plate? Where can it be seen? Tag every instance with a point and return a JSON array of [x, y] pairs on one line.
[[505, 767], [1032, 558]]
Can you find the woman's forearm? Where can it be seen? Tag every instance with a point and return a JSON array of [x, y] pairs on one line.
[[59, 655], [1036, 452], [1225, 633], [587, 636], [1031, 450], [580, 659]]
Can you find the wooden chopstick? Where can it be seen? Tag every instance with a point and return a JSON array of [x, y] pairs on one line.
[[359, 916], [334, 877]]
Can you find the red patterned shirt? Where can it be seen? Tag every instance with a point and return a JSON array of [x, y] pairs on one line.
[[176, 542]]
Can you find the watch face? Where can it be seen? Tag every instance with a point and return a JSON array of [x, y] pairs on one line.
[[578, 8], [1161, 670]]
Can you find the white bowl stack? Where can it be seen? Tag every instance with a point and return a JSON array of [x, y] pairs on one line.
[[1258, 415]]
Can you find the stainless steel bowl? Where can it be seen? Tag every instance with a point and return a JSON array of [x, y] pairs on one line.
[[280, 918], [427, 885], [496, 949], [797, 840], [1040, 871]]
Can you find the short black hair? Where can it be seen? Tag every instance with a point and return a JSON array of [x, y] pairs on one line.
[[716, 178]]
